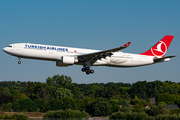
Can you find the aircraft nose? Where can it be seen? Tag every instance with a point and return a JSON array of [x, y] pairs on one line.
[[5, 49]]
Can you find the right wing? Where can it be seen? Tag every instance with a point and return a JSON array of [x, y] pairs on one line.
[[92, 57]]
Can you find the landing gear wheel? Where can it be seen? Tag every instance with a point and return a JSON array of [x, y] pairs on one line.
[[88, 72], [19, 62], [92, 71], [83, 69]]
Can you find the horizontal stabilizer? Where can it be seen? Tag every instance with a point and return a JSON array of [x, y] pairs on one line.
[[163, 58]]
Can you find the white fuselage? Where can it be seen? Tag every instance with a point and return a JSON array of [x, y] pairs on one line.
[[55, 53]]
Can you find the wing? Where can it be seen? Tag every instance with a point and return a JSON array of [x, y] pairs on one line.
[[92, 57]]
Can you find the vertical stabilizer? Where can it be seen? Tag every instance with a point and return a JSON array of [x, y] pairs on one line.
[[160, 49]]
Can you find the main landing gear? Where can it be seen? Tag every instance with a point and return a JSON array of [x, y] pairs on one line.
[[87, 70], [19, 62]]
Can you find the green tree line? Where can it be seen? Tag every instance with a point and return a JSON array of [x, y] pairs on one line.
[[97, 99]]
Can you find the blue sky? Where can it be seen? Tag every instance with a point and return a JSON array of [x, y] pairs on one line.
[[94, 24]]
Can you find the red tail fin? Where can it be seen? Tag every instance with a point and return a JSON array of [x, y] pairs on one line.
[[160, 48]]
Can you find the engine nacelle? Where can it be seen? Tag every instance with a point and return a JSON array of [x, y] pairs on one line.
[[68, 60], [60, 64]]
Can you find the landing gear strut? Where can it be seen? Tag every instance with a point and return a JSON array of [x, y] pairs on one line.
[[87, 70], [19, 62]]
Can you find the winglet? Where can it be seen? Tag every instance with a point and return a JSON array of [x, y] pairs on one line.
[[127, 44]]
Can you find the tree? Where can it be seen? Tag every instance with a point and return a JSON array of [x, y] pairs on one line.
[[63, 92], [167, 98], [124, 90], [6, 99], [100, 107], [155, 92], [139, 88], [125, 103], [40, 104], [164, 88], [115, 107], [14, 92], [112, 91], [159, 109], [20, 96], [54, 104], [139, 105], [26, 105], [7, 107], [93, 91], [69, 103], [4, 91], [127, 97], [60, 81], [135, 97], [126, 109], [174, 88]]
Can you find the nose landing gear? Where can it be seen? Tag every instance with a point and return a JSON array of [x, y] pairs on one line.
[[19, 62], [87, 70]]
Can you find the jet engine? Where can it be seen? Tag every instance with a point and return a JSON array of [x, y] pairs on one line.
[[60, 64], [66, 61]]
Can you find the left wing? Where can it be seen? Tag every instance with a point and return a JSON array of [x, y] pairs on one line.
[[92, 57]]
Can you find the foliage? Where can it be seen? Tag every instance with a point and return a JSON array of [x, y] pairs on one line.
[[26, 105], [9, 117], [1, 116], [19, 116], [139, 105], [63, 93], [68, 113], [40, 104], [6, 99], [7, 107], [124, 90], [126, 109], [100, 107], [60, 81], [142, 89], [112, 91], [115, 107], [129, 116], [34, 90], [14, 92], [5, 91], [167, 98], [159, 109], [175, 111], [127, 97], [59, 93], [167, 117], [20, 96], [125, 103]]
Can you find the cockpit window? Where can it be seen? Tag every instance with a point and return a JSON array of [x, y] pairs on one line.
[[9, 46]]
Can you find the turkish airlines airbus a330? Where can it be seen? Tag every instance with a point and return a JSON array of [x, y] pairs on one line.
[[65, 56]]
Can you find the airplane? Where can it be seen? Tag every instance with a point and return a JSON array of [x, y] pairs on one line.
[[66, 56]]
